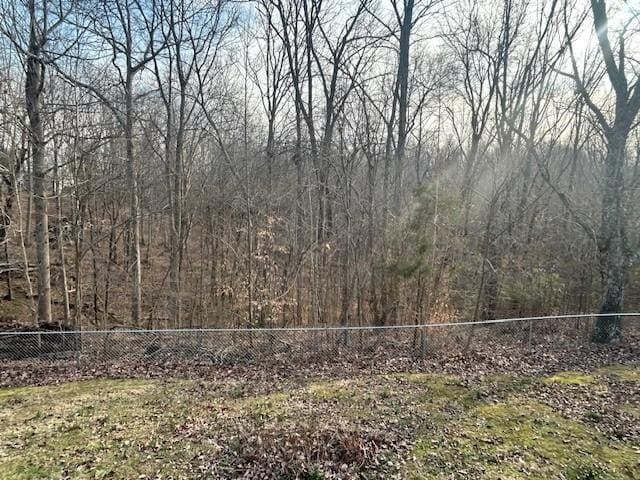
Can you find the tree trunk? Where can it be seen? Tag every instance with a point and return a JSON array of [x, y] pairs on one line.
[[33, 93], [613, 259], [176, 228], [134, 210], [136, 277], [27, 235], [61, 240], [467, 180], [23, 251], [403, 94]]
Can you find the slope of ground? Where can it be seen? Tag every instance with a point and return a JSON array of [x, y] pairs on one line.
[[571, 425]]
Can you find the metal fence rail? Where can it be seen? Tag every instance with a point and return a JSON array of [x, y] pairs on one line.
[[306, 344]]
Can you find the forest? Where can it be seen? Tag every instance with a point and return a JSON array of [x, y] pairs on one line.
[[273, 163]]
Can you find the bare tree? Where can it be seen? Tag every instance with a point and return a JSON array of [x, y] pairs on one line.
[[612, 238], [31, 27], [128, 28], [321, 161], [188, 31]]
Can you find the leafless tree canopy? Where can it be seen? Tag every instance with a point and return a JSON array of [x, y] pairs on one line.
[[185, 163]]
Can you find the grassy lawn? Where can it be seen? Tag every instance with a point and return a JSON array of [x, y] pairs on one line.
[[573, 425]]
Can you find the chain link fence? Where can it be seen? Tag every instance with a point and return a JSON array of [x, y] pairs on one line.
[[230, 346]]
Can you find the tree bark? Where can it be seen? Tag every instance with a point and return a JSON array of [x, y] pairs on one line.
[[134, 207], [613, 258], [614, 255], [33, 93], [61, 239], [403, 94]]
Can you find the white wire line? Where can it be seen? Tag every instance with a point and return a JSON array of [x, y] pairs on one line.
[[317, 329]]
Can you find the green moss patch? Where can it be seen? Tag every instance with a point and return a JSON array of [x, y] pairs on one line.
[[629, 373], [263, 405], [570, 378], [332, 390], [415, 425], [519, 439], [95, 429]]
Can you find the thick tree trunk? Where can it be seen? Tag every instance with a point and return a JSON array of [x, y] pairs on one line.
[[613, 258], [391, 292], [403, 100], [614, 255], [33, 93]]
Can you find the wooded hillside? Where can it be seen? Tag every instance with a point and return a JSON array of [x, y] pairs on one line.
[[180, 163]]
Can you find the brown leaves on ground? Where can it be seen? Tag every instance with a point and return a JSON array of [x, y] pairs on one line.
[[543, 359], [364, 418]]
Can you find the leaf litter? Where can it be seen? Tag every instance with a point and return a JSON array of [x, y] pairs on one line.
[[455, 417]]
